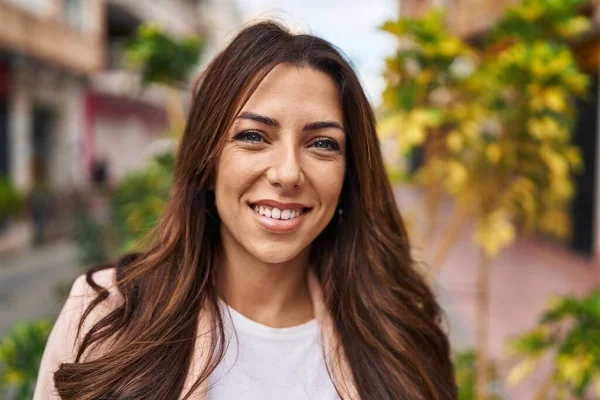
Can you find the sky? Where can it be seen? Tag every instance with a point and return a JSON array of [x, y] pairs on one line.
[[351, 25]]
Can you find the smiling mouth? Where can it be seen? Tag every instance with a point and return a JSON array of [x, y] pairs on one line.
[[278, 214]]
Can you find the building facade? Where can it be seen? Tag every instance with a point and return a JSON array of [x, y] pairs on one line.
[[123, 123], [71, 113], [67, 101], [48, 49]]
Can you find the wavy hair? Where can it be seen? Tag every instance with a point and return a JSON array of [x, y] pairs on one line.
[[385, 315]]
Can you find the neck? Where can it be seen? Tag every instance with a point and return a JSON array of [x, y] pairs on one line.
[[273, 294]]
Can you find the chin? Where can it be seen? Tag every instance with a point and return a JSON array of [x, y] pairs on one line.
[[275, 254]]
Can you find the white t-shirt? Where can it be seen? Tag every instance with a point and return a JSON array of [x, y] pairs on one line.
[[267, 363]]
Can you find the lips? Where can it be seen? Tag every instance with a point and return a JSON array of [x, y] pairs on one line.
[[281, 206], [279, 225]]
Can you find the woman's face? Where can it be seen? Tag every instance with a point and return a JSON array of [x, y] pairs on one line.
[[281, 171]]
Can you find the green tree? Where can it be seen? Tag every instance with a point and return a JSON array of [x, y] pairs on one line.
[[464, 371], [490, 129], [135, 207], [11, 201], [140, 197], [568, 332], [138, 203], [164, 60], [20, 355]]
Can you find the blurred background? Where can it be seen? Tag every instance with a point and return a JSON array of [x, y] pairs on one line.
[[488, 118]]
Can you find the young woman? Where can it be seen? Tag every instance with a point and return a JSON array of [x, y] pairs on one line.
[[281, 268]]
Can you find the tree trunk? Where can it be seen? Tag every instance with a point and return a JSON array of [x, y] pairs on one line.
[[451, 233], [482, 323]]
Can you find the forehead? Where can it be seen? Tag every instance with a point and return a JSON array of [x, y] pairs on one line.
[[292, 90]]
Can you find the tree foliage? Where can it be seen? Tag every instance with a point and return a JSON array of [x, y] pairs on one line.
[[464, 371], [161, 57], [20, 356], [487, 125], [493, 122], [139, 201], [569, 332], [11, 201]]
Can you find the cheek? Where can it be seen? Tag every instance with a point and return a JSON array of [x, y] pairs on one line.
[[328, 181], [235, 174]]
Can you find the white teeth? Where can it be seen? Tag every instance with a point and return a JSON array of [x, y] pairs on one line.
[[276, 213]]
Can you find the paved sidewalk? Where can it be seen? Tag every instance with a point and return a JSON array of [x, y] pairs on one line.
[[28, 282]]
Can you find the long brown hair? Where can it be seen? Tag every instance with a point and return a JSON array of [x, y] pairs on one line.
[[386, 317]]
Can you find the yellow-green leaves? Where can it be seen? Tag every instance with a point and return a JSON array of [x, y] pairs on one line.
[[520, 371], [20, 355], [569, 331], [544, 19], [408, 129], [491, 130], [456, 176], [494, 231], [492, 124], [573, 27], [529, 11], [493, 152], [455, 141]]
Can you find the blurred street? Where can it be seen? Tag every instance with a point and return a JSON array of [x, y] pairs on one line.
[[28, 282]]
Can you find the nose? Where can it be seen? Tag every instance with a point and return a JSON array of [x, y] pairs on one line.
[[286, 168]]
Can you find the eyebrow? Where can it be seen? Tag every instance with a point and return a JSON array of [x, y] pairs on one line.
[[311, 126]]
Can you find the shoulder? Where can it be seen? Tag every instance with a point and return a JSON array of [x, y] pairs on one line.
[[82, 294], [67, 336], [105, 279], [63, 342], [84, 290]]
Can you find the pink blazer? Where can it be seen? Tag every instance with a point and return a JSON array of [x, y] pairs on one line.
[[62, 342]]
